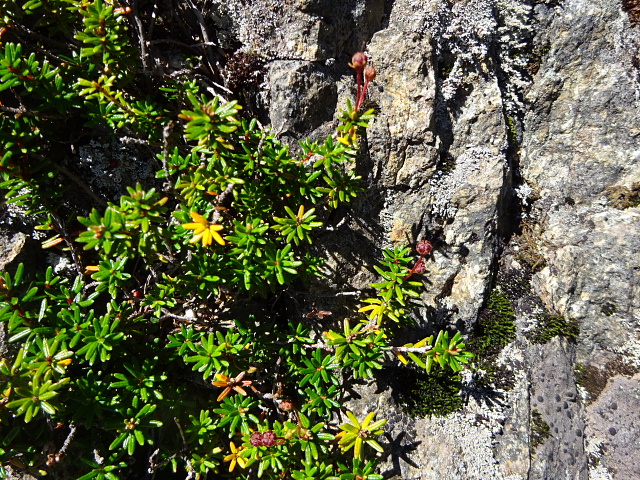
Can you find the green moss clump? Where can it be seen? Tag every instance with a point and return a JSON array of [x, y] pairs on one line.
[[445, 67], [422, 394], [540, 430], [550, 326], [496, 326], [495, 330], [447, 163]]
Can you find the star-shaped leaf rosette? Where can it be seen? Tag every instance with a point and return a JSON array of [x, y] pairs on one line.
[[356, 433], [203, 230]]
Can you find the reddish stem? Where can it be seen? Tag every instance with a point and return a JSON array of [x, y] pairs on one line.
[[361, 94]]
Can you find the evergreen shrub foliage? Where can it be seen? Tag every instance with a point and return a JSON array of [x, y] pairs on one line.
[[157, 354]]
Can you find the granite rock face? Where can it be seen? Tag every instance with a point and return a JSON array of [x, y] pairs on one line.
[[508, 133], [613, 430], [580, 142]]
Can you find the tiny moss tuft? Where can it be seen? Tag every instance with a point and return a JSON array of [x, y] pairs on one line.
[[594, 379], [423, 394], [622, 197], [535, 59], [540, 430], [609, 309], [549, 326], [447, 163], [632, 7], [445, 67], [512, 132]]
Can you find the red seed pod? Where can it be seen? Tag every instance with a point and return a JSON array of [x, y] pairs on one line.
[[358, 61], [424, 247], [256, 439], [269, 438], [369, 73]]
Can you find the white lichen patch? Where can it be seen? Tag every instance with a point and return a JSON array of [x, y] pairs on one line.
[[113, 165], [19, 215], [599, 472], [445, 185], [61, 264], [471, 435], [594, 447], [583, 393], [512, 354], [523, 192], [468, 39], [631, 350]]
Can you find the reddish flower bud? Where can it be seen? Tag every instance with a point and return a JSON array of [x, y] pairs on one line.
[[256, 439], [424, 247], [269, 438], [419, 267], [369, 73], [358, 61]]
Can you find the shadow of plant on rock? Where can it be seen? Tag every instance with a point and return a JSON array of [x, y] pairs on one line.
[[398, 450], [422, 394]]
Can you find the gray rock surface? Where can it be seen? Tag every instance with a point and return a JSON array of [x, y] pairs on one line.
[[11, 247], [580, 139], [554, 395], [613, 431]]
